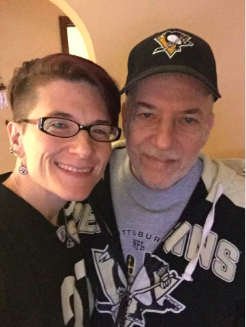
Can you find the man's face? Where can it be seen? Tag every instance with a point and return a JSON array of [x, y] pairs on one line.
[[167, 122]]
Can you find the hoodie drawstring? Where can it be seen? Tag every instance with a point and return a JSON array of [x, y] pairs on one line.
[[206, 230]]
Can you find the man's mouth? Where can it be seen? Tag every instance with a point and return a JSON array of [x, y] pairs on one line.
[[74, 169], [162, 159]]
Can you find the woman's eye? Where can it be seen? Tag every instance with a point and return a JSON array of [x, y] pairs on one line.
[[58, 125], [99, 131]]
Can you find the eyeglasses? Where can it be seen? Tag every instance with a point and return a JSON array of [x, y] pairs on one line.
[[65, 128]]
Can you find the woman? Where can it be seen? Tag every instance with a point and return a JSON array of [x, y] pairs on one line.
[[65, 114]]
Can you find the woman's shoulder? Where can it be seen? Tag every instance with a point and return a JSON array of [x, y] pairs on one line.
[[4, 176]]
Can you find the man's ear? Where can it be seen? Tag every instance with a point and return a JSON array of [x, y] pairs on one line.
[[210, 123], [15, 134], [124, 111], [209, 126]]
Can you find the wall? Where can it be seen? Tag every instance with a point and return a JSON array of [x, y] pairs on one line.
[[116, 26], [29, 29]]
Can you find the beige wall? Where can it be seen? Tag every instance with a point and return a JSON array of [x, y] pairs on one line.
[[29, 29], [116, 26]]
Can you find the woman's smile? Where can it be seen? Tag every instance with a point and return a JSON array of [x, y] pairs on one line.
[[74, 169]]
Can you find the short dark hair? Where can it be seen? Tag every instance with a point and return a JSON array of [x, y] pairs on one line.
[[39, 72]]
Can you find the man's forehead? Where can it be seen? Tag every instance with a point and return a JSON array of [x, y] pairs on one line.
[[170, 80]]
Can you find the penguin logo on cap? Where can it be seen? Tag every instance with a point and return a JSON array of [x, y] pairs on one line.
[[171, 42]]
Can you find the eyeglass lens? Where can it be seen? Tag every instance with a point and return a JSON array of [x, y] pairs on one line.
[[66, 128]]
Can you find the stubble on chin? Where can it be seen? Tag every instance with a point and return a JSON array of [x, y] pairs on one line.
[[161, 179], [155, 183]]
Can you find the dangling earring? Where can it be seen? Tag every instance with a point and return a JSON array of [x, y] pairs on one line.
[[11, 150], [22, 169]]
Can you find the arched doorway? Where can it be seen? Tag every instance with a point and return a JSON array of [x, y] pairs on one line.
[[74, 17]]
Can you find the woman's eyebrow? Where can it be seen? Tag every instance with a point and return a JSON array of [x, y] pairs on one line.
[[62, 114], [57, 113], [101, 121]]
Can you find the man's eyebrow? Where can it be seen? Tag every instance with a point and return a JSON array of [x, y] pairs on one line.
[[62, 114], [145, 105], [193, 111]]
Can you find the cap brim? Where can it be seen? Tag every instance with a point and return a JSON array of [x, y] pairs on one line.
[[172, 69]]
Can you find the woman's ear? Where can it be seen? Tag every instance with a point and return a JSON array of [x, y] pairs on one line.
[[15, 134]]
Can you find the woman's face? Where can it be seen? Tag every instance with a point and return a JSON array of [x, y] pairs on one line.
[[66, 167]]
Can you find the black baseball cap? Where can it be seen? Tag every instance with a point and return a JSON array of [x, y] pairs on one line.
[[173, 51]]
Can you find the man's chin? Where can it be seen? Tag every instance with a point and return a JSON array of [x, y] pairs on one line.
[[156, 184], [156, 179]]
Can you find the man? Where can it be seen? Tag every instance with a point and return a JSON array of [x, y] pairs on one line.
[[178, 214]]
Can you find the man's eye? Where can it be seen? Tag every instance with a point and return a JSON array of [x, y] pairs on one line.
[[189, 121], [146, 115]]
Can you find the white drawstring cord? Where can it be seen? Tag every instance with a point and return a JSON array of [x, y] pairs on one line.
[[206, 230]]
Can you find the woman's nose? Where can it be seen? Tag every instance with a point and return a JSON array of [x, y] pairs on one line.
[[82, 144]]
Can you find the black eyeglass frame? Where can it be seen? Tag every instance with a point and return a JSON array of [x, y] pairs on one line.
[[40, 124]]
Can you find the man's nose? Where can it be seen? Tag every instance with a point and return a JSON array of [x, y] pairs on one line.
[[164, 135], [82, 144]]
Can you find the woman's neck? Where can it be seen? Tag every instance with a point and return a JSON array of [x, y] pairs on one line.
[[47, 203]]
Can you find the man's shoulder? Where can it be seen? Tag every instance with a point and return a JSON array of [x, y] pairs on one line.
[[121, 144], [118, 157], [228, 173]]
